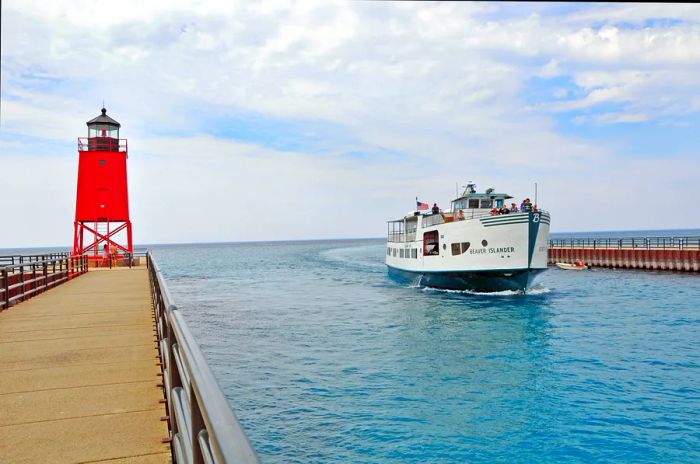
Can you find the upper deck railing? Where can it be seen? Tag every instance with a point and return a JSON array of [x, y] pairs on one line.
[[203, 427], [102, 144], [397, 234], [682, 243]]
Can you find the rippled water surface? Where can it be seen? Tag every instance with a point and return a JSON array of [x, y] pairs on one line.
[[325, 359]]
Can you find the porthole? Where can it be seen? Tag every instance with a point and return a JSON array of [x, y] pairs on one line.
[[484, 243], [444, 246]]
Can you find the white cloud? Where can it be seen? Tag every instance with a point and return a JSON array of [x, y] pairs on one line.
[[438, 88]]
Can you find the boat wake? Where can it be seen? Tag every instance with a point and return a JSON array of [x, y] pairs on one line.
[[534, 290], [359, 257]]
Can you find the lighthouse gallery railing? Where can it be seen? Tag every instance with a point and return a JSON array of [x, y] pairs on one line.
[[203, 427]]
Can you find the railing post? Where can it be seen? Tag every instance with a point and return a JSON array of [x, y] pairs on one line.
[[6, 286], [21, 279], [197, 424], [45, 272], [34, 279]]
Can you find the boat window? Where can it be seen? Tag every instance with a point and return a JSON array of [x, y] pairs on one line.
[[388, 251], [499, 203], [395, 231], [460, 248], [473, 202], [401, 253], [431, 243], [486, 203], [433, 219], [414, 253], [394, 252]]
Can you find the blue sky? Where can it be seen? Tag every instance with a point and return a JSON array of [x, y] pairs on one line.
[[276, 120]]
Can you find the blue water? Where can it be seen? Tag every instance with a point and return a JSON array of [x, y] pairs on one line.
[[325, 359]]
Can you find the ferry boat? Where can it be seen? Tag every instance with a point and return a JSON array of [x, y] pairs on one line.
[[484, 251]]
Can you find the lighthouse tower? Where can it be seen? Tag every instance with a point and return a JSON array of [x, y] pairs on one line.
[[102, 223]]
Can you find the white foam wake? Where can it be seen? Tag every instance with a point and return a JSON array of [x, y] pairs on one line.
[[535, 290]]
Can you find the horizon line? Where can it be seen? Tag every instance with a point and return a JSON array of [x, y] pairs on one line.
[[145, 245]]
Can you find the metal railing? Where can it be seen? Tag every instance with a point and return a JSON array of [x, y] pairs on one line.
[[203, 427], [432, 220], [400, 237], [435, 219], [126, 259], [102, 144], [677, 243], [27, 278], [9, 260]]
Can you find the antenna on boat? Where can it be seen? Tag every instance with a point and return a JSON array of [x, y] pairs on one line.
[[535, 192]]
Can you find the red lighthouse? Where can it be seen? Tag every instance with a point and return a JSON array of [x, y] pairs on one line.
[[102, 203]]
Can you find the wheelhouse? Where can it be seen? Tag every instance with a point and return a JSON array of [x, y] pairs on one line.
[[473, 201]]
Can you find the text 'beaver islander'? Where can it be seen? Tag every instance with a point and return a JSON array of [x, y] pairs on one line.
[[480, 244]]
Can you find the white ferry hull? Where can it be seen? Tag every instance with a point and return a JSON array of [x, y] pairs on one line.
[[489, 254]]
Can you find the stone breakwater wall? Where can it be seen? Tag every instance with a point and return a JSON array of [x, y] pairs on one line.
[[636, 258]]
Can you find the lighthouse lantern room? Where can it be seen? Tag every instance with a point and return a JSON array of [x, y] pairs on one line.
[[102, 225]]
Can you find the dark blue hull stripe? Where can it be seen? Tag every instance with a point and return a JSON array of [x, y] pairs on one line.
[[480, 281], [534, 228]]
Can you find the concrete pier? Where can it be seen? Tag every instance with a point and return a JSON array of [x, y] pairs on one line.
[[79, 374], [659, 253]]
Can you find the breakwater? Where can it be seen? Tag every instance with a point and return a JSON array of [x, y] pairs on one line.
[[653, 253]]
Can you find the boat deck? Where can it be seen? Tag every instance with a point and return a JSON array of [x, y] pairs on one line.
[[78, 374]]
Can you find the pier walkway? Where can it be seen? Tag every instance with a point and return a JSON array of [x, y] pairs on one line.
[[79, 374]]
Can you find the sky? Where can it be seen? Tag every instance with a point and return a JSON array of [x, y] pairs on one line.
[[311, 120]]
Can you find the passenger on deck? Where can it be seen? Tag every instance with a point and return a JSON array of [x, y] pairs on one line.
[[504, 209], [513, 208], [526, 206], [494, 212], [436, 209], [459, 215]]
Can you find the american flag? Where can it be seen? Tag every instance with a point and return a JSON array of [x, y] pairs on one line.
[[421, 206]]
